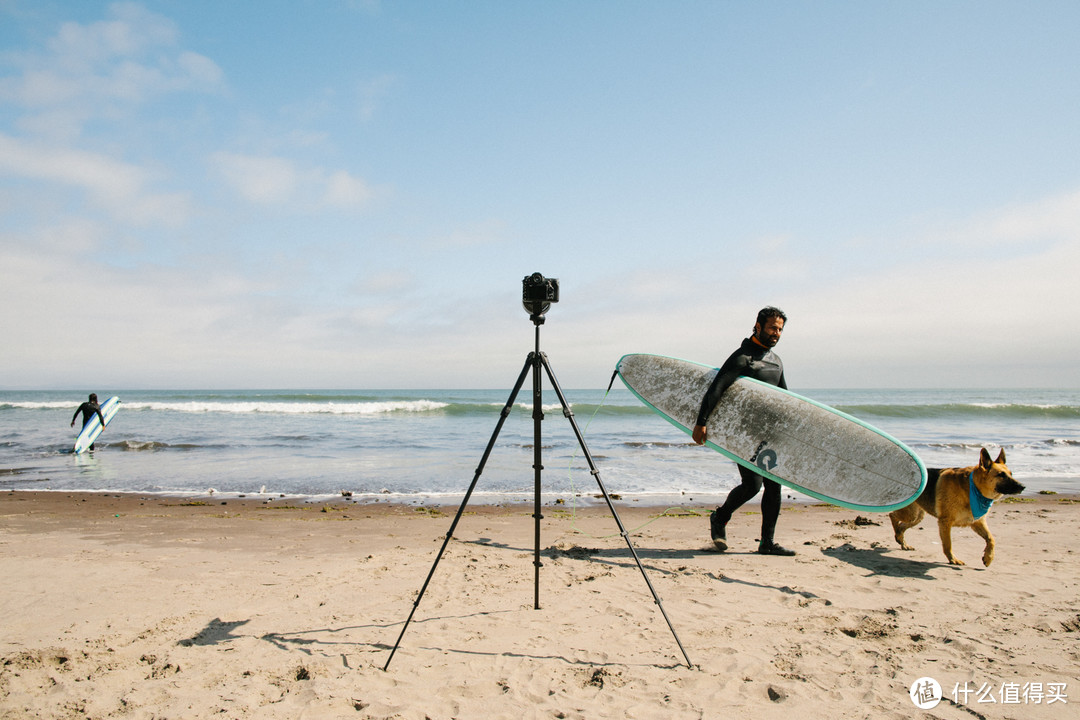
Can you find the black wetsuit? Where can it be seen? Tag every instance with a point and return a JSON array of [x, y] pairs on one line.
[[88, 410], [761, 363]]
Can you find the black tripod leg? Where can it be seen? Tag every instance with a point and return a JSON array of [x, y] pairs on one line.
[[465, 501], [538, 467], [607, 498]]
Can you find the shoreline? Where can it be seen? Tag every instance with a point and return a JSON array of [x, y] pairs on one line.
[[487, 499], [131, 605], [592, 500], [550, 499]]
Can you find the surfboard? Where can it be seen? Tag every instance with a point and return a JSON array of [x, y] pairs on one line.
[[93, 428], [798, 442]]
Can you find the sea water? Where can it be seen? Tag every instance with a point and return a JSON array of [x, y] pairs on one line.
[[427, 445]]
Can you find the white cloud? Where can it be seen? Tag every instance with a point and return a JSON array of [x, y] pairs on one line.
[[200, 70], [132, 30], [985, 319], [99, 69], [385, 283], [90, 72], [260, 180], [346, 191], [371, 94], [1055, 218], [486, 232], [984, 308], [119, 188], [270, 180]]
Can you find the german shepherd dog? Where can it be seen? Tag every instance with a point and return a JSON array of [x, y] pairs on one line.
[[949, 496]]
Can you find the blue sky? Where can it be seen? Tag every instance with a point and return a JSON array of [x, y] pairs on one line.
[[347, 194]]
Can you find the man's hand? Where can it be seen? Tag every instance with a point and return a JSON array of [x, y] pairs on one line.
[[700, 433]]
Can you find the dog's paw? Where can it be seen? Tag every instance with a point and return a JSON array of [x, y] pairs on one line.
[[955, 561], [988, 558]]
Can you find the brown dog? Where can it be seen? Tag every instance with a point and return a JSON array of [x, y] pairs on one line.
[[948, 497]]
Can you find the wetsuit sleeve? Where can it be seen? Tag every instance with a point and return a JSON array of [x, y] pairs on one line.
[[783, 382], [100, 417], [728, 374]]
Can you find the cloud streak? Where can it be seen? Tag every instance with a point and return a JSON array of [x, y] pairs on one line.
[[101, 69], [274, 181], [119, 188]]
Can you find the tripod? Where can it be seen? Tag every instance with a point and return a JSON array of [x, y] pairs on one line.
[[535, 361]]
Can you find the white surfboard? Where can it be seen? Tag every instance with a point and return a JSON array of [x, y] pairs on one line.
[[93, 428], [793, 440]]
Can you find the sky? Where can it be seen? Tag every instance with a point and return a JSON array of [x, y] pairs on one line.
[[347, 193]]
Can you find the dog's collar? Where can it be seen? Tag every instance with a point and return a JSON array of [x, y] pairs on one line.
[[980, 504]]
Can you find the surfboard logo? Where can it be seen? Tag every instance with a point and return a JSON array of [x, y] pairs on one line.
[[765, 460]]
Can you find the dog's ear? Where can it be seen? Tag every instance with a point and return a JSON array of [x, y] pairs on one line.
[[1001, 457], [984, 459]]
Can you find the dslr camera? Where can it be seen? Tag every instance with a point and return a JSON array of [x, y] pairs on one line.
[[537, 294]]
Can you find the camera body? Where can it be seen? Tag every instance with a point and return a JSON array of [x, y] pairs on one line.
[[537, 288], [537, 294]]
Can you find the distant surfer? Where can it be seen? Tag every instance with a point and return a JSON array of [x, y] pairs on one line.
[[88, 410], [756, 359]]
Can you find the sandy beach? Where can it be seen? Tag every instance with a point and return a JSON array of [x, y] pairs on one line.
[[133, 606]]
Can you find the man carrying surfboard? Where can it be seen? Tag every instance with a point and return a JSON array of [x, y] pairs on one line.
[[756, 359], [88, 410]]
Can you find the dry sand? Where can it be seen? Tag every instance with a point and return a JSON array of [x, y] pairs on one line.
[[148, 607]]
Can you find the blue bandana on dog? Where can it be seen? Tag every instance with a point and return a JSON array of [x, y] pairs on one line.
[[980, 504]]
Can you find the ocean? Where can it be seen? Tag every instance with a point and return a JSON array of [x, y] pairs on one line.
[[424, 446]]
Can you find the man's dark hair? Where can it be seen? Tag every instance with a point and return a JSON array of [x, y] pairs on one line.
[[770, 312]]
